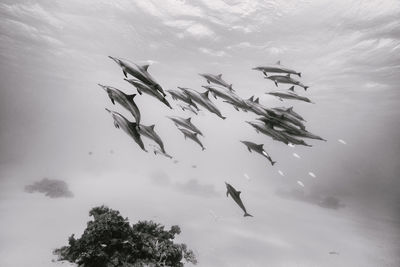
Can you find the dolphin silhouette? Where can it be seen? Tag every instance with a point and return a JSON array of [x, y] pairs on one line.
[[236, 197]]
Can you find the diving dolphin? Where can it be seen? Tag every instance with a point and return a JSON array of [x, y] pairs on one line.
[[290, 95], [191, 135], [175, 94], [236, 197], [203, 100], [139, 72], [186, 123], [289, 111], [189, 108], [141, 87], [150, 133], [128, 127], [285, 79], [123, 99], [216, 79], [277, 68], [259, 149]]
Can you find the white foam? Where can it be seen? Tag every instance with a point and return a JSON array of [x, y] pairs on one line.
[[342, 141], [246, 176], [296, 155], [312, 174], [300, 183]]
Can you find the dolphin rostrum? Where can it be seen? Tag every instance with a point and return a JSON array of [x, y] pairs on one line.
[[124, 100], [191, 135], [277, 68], [139, 72], [128, 127], [290, 95], [150, 133], [186, 123], [203, 100], [175, 94], [236, 197], [285, 79], [259, 149], [216, 79], [141, 87]]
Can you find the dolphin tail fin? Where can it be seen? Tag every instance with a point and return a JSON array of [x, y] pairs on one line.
[[273, 163], [247, 215], [305, 88], [299, 74], [223, 117], [203, 148]]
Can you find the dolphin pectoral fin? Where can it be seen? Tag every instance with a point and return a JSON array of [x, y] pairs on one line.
[[208, 82], [227, 193], [248, 148], [236, 108], [112, 101], [276, 84], [116, 124], [126, 75], [265, 74]]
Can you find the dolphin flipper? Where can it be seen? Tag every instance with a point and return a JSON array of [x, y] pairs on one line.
[[126, 75]]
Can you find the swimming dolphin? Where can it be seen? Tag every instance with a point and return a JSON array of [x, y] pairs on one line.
[[160, 152], [277, 68], [128, 127], [224, 94], [150, 133], [216, 79], [285, 79], [189, 108], [289, 111], [259, 149], [123, 99], [175, 94], [236, 197], [191, 135], [267, 130], [257, 108], [186, 123], [141, 87], [139, 72], [290, 95], [304, 134], [203, 100], [293, 140]]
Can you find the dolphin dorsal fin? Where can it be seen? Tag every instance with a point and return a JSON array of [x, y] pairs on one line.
[[145, 67], [219, 76], [188, 119], [290, 109], [205, 94], [251, 98], [278, 62], [238, 192], [152, 126], [257, 100], [131, 96], [291, 88]]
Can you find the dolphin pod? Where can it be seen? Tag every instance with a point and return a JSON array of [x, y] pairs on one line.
[[282, 124], [230, 191]]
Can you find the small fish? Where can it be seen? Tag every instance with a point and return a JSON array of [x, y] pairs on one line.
[[312, 174], [296, 155], [300, 183]]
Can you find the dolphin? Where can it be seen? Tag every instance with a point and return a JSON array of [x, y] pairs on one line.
[[289, 95], [294, 140], [285, 79], [175, 94], [259, 149], [123, 99], [139, 72], [191, 135], [186, 123], [150, 133], [216, 79], [289, 111], [141, 87], [282, 124], [236, 197], [277, 68], [257, 108], [128, 127], [160, 152], [290, 118], [304, 134], [203, 100], [189, 108], [267, 130], [224, 94]]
